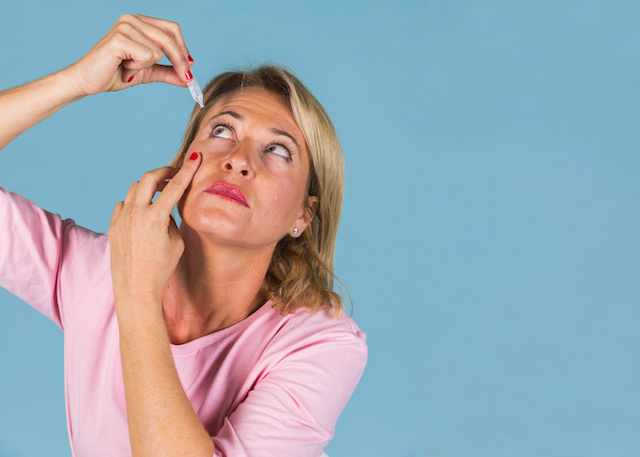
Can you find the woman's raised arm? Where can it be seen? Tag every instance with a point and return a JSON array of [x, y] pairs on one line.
[[127, 55]]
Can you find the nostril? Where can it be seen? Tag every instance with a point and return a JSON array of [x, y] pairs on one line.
[[228, 166], [244, 172]]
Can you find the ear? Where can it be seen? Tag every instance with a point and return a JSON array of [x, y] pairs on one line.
[[305, 218]]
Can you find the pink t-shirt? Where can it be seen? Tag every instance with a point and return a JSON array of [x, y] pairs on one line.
[[270, 385]]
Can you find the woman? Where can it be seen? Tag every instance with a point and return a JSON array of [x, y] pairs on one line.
[[224, 336]]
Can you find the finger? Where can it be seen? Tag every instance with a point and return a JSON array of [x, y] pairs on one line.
[[162, 185], [174, 190], [159, 73], [168, 36], [175, 30], [136, 51], [150, 51], [136, 57], [116, 212], [131, 193], [123, 47], [150, 182], [129, 76]]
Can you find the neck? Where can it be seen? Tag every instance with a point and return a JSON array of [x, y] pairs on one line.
[[213, 287]]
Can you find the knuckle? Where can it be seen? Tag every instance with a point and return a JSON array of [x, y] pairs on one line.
[[146, 57], [135, 211], [122, 31], [156, 216], [146, 176], [119, 35], [126, 18], [175, 27], [168, 35]]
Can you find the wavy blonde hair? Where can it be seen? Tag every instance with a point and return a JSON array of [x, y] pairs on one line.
[[301, 270]]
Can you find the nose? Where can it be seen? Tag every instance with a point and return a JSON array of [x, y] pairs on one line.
[[238, 162]]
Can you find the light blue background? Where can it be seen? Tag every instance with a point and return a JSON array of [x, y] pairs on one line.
[[490, 236]]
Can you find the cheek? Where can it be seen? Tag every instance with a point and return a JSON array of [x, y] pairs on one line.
[[286, 200]]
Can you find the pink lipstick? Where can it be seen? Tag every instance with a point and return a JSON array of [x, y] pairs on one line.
[[224, 190]]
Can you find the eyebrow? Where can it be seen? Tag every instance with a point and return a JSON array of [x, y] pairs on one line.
[[274, 131], [230, 113]]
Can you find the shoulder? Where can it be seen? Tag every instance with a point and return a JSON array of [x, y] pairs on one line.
[[308, 366], [27, 218], [48, 261], [325, 323], [317, 333]]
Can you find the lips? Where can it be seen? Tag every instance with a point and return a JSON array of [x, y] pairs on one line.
[[228, 192]]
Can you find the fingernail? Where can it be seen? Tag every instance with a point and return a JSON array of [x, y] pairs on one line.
[[189, 75], [190, 58], [193, 156], [130, 79]]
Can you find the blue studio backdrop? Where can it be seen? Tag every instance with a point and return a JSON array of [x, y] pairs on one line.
[[490, 237]]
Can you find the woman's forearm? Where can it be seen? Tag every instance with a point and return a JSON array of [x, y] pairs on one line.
[[145, 246], [23, 107], [162, 421]]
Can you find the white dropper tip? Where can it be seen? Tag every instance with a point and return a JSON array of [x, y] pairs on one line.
[[196, 93]]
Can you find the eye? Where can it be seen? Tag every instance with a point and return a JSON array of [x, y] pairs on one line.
[[279, 150], [221, 131]]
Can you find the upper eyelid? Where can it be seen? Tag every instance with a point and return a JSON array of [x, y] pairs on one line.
[[220, 120], [284, 142]]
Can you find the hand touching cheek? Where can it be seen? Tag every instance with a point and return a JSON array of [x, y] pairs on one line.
[[145, 242]]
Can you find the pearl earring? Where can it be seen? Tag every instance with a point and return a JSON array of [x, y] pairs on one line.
[[295, 231]]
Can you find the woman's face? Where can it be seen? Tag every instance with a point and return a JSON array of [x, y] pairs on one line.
[[251, 185]]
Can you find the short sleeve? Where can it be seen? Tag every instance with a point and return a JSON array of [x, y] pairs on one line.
[[293, 409], [37, 252]]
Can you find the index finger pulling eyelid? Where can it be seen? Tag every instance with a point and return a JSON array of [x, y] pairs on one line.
[[176, 187]]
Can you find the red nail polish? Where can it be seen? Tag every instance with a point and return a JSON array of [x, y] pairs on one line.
[[193, 156], [130, 79], [189, 75], [190, 58]]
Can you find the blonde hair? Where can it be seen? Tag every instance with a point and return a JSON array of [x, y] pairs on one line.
[[301, 269]]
